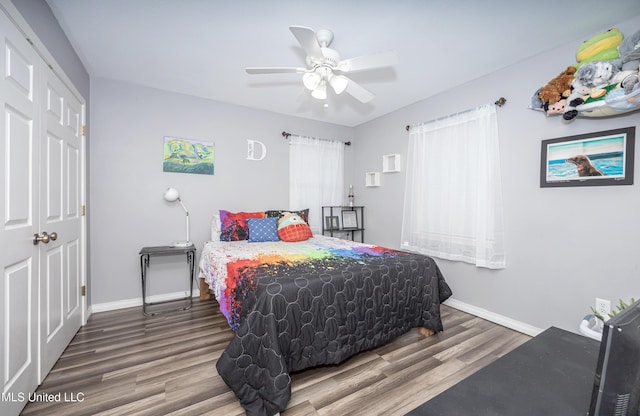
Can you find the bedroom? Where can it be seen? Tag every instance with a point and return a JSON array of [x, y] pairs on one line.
[[560, 255]]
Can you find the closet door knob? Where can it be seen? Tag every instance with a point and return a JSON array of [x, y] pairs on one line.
[[44, 238]]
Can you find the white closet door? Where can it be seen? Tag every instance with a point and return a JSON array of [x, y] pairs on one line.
[[19, 126], [60, 193], [41, 183]]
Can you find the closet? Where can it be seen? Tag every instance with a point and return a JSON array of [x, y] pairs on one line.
[[42, 236]]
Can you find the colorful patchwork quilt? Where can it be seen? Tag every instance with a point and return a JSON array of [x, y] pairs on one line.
[[294, 305]]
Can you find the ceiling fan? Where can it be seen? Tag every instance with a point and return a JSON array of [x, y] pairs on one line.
[[325, 67]]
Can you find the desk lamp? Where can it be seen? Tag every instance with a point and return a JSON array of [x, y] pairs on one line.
[[172, 195]]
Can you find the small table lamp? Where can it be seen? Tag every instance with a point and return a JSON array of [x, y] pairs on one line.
[[172, 195]]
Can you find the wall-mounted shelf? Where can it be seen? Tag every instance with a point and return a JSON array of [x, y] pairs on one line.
[[372, 179], [391, 163]]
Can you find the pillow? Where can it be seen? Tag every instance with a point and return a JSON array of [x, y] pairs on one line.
[[263, 229], [234, 225], [303, 213], [291, 227], [215, 227]]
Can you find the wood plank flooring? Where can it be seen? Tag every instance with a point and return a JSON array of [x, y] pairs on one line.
[[123, 363]]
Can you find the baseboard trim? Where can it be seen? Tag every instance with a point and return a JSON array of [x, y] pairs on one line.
[[494, 317], [454, 303], [130, 303]]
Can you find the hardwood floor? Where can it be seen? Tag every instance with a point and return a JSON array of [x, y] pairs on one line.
[[123, 363]]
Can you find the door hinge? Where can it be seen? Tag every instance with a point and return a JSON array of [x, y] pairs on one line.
[[83, 210], [83, 290], [84, 130]]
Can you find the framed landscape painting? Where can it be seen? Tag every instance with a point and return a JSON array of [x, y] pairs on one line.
[[592, 159], [188, 156]]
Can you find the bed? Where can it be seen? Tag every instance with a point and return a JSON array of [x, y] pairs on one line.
[[295, 305]]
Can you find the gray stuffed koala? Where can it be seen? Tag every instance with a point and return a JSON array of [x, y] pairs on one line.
[[596, 73], [629, 50]]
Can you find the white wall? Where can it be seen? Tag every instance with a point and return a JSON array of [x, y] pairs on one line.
[[565, 246], [127, 208]]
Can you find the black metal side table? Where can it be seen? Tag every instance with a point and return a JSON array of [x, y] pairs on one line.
[[145, 255]]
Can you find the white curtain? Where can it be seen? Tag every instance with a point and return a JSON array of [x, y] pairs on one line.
[[453, 192], [316, 176]]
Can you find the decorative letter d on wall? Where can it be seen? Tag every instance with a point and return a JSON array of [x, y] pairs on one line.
[[251, 150]]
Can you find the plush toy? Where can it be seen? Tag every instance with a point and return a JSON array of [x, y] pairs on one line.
[[616, 99], [597, 73], [555, 108], [558, 87], [629, 51], [614, 90], [601, 47], [536, 102], [291, 227], [579, 93], [630, 82]]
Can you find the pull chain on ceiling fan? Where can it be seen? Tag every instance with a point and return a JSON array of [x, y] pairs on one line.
[[325, 67]]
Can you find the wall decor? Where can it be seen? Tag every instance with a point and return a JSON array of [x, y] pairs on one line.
[[390, 163], [592, 159], [372, 179], [256, 150], [188, 156]]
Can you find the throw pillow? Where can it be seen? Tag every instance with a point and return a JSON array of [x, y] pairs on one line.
[[291, 227], [263, 229], [234, 225], [279, 213]]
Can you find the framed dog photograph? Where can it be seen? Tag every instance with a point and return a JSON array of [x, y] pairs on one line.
[[592, 159]]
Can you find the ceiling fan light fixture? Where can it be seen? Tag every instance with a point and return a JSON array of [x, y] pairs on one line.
[[339, 83], [311, 80], [321, 91]]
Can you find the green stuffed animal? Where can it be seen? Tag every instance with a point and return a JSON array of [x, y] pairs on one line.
[[601, 47]]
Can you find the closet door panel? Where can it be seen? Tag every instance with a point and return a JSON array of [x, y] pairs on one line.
[[19, 149], [60, 180]]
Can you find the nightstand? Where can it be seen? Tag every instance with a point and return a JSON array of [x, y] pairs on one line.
[[145, 256]]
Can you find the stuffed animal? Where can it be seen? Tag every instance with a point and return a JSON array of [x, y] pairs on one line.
[[291, 227], [555, 108], [629, 51], [613, 91], [579, 93], [597, 73], [630, 82], [601, 47], [536, 102], [558, 87]]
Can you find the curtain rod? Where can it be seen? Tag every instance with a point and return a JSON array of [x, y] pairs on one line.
[[500, 102], [286, 136]]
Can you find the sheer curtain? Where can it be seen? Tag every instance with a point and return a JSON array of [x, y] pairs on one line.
[[453, 192], [316, 176]]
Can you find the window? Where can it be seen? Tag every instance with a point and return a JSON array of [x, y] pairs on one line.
[[453, 192], [316, 176]]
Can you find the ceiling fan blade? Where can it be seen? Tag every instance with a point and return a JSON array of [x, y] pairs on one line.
[[359, 92], [275, 70], [375, 60], [307, 39]]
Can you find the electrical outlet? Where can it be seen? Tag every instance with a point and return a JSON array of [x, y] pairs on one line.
[[603, 307]]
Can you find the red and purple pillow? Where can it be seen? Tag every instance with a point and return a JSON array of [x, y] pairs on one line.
[[234, 226]]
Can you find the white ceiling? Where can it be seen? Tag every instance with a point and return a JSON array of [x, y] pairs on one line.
[[201, 47]]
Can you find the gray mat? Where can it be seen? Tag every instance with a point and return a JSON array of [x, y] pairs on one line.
[[551, 374]]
